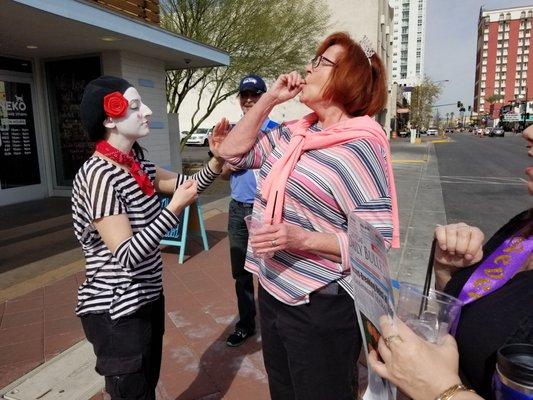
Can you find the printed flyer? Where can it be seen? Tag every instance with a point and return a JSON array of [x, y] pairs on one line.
[[373, 294]]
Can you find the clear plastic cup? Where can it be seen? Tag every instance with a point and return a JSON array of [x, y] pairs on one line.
[[431, 316], [253, 223]]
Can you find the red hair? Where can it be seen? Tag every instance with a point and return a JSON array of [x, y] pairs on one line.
[[355, 83]]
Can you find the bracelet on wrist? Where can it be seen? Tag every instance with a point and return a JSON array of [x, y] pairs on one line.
[[452, 391]]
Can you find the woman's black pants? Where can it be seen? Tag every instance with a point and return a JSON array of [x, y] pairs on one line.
[[128, 350], [311, 350]]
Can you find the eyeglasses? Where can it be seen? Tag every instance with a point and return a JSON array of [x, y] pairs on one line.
[[318, 60]]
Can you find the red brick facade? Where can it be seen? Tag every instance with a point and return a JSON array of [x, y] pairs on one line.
[[502, 62]]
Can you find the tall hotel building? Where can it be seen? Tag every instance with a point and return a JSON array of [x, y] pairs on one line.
[[409, 31], [502, 63]]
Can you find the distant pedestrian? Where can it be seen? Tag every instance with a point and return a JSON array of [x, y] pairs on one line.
[[243, 188]]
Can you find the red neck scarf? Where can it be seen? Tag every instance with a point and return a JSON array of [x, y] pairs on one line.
[[129, 161]]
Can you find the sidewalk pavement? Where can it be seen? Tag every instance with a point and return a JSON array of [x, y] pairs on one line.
[[40, 327]]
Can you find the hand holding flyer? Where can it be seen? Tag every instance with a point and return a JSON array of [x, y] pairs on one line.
[[373, 294]]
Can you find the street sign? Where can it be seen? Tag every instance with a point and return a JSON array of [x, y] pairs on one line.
[[511, 117]]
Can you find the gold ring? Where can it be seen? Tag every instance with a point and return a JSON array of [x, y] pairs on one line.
[[388, 340], [273, 243]]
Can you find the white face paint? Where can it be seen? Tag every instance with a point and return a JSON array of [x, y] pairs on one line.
[[134, 124]]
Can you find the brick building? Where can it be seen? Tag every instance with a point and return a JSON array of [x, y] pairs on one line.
[[502, 62]]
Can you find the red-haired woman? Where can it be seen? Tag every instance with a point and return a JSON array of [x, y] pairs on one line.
[[314, 172]]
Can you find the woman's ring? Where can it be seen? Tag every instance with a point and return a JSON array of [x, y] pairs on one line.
[[273, 243], [392, 338]]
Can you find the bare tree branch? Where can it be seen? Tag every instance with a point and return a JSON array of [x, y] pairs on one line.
[[266, 37]]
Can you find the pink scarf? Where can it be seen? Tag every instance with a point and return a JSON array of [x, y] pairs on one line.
[[273, 188]]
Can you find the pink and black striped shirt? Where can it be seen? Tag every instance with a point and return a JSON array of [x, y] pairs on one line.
[[323, 189]]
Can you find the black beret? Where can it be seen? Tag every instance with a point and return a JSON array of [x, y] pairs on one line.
[[92, 103]]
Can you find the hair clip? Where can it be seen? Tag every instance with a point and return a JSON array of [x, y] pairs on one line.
[[366, 45]]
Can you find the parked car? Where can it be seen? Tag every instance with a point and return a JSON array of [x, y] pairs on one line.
[[199, 137], [448, 130], [497, 131], [404, 134], [432, 131]]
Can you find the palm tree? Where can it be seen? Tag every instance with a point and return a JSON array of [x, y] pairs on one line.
[[492, 99]]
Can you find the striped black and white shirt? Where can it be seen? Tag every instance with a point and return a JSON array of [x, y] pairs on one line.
[[121, 282]]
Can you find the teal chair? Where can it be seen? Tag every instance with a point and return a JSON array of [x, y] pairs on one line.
[[191, 223]]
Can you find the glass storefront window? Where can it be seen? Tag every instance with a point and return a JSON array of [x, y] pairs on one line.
[[19, 160], [66, 80]]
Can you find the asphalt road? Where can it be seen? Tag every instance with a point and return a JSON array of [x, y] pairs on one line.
[[194, 154], [193, 157], [483, 181]]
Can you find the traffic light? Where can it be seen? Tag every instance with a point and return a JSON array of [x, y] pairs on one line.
[[459, 104], [469, 108]]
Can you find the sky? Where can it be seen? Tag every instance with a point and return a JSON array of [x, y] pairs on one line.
[[451, 40]]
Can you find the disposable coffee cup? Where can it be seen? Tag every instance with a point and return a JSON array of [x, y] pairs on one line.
[[514, 372], [253, 223]]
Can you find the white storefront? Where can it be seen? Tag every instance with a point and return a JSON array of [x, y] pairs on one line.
[[49, 51]]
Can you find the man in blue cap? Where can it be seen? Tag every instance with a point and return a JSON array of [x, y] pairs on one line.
[[243, 188]]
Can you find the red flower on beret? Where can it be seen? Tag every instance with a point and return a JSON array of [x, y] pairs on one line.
[[115, 105]]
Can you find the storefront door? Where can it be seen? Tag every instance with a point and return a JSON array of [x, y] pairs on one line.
[[21, 141]]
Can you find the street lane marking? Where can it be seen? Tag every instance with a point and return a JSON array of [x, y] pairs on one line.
[[477, 180], [409, 161]]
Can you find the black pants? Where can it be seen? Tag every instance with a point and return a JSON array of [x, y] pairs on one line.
[[310, 351], [128, 350], [244, 283]]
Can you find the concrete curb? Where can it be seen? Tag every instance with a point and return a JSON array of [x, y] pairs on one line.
[[69, 375]]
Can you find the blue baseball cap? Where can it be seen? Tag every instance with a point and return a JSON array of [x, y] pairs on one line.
[[252, 83]]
